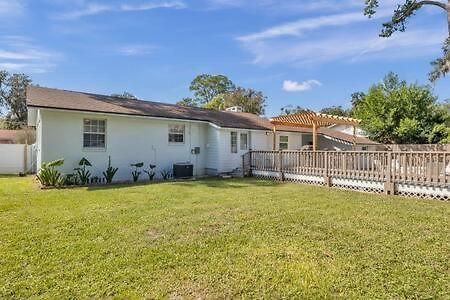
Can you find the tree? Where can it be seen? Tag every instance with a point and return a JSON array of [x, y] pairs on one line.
[[357, 97], [290, 110], [125, 95], [187, 101], [402, 13], [216, 103], [396, 112], [336, 111], [13, 99], [250, 100], [205, 87]]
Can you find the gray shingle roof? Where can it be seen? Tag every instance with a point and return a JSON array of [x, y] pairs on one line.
[[42, 97]]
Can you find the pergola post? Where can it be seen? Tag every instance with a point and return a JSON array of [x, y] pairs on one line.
[[274, 138], [354, 137], [314, 136]]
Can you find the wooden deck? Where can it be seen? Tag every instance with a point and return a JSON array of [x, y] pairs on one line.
[[405, 173]]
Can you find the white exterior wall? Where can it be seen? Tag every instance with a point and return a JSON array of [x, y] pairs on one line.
[[228, 161], [128, 140], [294, 140], [212, 150], [261, 140]]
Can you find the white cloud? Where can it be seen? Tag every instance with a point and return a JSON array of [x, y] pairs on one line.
[[298, 28], [19, 54], [345, 47], [344, 36], [136, 50], [153, 5], [88, 10], [92, 8], [294, 86], [8, 7], [293, 6]]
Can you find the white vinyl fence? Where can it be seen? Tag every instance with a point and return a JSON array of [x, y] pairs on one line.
[[17, 158]]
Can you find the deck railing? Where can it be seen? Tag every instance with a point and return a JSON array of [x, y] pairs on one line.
[[417, 168]]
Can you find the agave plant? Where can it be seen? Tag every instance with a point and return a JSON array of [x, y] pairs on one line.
[[48, 175], [166, 174], [70, 179], [82, 173], [110, 172], [136, 173], [150, 172]]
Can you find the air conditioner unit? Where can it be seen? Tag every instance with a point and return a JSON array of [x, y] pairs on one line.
[[183, 170]]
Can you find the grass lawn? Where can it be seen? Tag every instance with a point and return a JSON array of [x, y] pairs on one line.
[[220, 239]]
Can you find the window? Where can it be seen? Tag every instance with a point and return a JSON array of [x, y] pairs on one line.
[[234, 142], [176, 133], [244, 141], [284, 142], [94, 134]]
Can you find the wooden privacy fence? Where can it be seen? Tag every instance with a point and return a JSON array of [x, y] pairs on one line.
[[424, 174]]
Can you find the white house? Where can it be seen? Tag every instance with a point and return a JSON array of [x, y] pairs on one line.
[[73, 125]]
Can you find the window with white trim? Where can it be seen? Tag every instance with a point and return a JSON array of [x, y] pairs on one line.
[[176, 133], [244, 141], [284, 142], [94, 134], [234, 146]]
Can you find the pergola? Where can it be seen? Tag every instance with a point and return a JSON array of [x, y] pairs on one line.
[[312, 120]]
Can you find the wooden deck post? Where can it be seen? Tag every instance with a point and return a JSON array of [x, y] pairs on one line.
[[280, 164], [389, 187], [326, 175]]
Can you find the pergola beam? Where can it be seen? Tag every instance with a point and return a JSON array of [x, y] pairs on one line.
[[315, 121]]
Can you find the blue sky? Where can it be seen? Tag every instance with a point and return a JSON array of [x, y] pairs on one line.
[[312, 53]]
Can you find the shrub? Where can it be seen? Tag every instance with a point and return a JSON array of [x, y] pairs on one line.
[[48, 175], [136, 173], [110, 172], [150, 172], [82, 173]]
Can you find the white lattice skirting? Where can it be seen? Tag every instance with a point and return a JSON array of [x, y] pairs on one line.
[[422, 191], [358, 184], [289, 177], [409, 190]]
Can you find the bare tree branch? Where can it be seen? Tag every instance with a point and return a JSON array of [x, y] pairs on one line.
[[436, 3]]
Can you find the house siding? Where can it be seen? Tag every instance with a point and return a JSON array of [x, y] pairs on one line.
[[128, 140], [212, 150], [229, 161], [261, 140]]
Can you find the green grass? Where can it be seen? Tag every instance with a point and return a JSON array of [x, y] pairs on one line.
[[219, 239]]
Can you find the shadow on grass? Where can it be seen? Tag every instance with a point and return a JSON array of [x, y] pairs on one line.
[[234, 183], [3, 176]]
